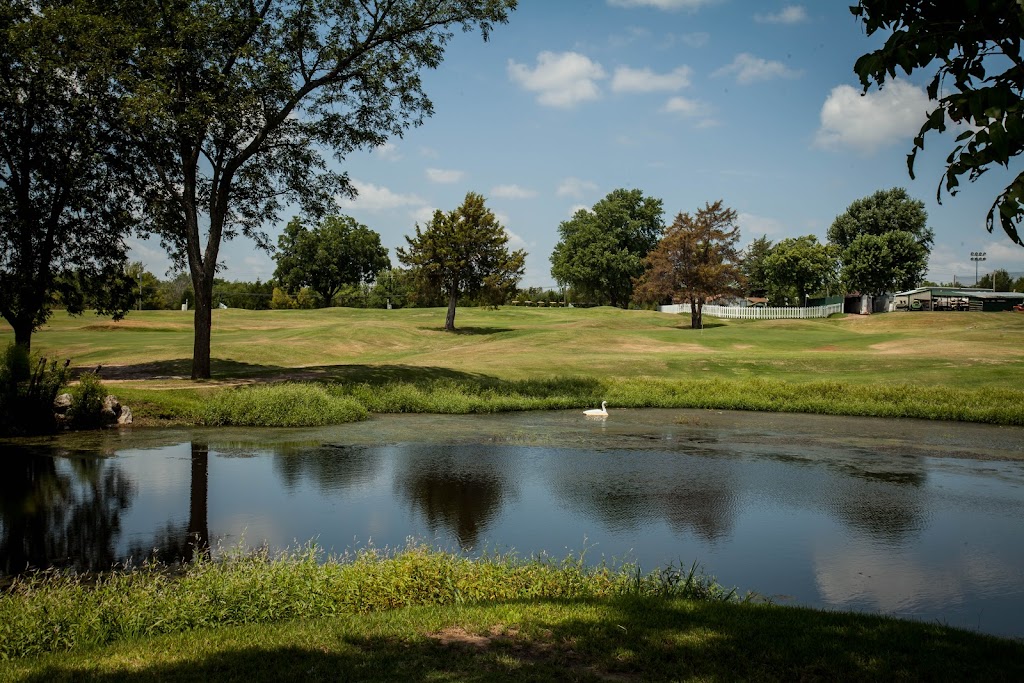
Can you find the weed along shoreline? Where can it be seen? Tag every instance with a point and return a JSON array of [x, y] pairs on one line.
[[420, 613]]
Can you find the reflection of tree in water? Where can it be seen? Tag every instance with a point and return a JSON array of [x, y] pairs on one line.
[[66, 516], [885, 500], [332, 468], [181, 543], [460, 489], [628, 490]]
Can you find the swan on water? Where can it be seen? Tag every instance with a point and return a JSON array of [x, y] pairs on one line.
[[597, 412]]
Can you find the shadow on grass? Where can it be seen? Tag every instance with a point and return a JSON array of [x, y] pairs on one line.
[[470, 330], [221, 369], [375, 375], [626, 639]]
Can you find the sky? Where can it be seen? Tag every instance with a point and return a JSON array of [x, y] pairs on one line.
[[690, 101]]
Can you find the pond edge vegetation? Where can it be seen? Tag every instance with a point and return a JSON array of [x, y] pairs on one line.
[[307, 404], [418, 612]]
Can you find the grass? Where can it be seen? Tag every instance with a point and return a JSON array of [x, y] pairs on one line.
[[421, 614], [339, 362], [567, 625], [59, 611]]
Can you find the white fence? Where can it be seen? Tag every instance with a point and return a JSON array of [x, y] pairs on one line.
[[758, 312]]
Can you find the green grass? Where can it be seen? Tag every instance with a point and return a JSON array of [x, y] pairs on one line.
[[421, 614], [563, 632], [951, 366], [57, 611]]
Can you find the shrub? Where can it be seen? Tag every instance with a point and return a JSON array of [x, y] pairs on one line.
[[87, 396], [281, 405], [28, 386]]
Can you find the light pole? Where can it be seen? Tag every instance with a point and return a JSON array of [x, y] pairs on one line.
[[977, 257]]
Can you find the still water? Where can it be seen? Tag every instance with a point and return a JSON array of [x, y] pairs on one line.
[[910, 518]]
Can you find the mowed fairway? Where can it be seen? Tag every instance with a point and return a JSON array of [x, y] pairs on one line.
[[154, 348]]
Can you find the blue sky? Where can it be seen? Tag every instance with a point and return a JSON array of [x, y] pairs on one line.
[[690, 101]]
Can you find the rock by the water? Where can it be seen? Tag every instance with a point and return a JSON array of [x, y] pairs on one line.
[[125, 418], [61, 404], [111, 410]]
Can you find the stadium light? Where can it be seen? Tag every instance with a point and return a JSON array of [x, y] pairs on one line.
[[977, 257]]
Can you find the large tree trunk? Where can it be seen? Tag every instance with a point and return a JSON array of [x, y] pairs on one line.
[[696, 313], [198, 517], [449, 321], [23, 333], [203, 323]]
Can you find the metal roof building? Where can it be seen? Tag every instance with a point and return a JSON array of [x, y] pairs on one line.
[[959, 299]]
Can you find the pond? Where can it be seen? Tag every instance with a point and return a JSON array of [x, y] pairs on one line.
[[910, 518]]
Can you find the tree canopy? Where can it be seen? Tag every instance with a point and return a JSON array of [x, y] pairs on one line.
[[884, 242], [798, 267], [753, 268], [234, 103], [65, 205], [464, 251], [696, 259], [976, 85], [601, 251], [339, 251]]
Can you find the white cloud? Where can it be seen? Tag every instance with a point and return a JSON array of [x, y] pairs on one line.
[[754, 226], [574, 187], [790, 14], [388, 152], [662, 4], [514, 240], [423, 214], [372, 197], [512, 192], [428, 152], [560, 80], [440, 175], [684, 106], [749, 69], [867, 122], [645, 80], [575, 208]]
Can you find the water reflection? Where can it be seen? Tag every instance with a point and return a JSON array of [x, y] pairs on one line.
[[832, 515], [627, 491], [333, 468], [458, 489], [63, 513]]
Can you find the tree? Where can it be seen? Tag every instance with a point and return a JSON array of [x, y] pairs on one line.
[[390, 287], [884, 242], [799, 266], [463, 252], [232, 101], [338, 252], [696, 259], [1003, 281], [64, 198], [602, 251], [977, 85], [753, 265]]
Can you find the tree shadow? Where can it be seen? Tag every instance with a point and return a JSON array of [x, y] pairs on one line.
[[472, 331], [630, 639]]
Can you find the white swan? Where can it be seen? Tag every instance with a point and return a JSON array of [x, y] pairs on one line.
[[597, 412]]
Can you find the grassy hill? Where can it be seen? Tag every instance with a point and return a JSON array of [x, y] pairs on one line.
[[974, 360]]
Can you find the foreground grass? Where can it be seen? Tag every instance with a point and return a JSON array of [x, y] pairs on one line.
[[626, 637], [949, 366], [422, 614]]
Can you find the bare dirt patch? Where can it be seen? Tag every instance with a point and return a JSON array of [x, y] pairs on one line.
[[827, 347], [938, 348], [661, 347], [742, 347]]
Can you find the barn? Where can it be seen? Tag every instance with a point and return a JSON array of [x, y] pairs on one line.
[[955, 299]]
